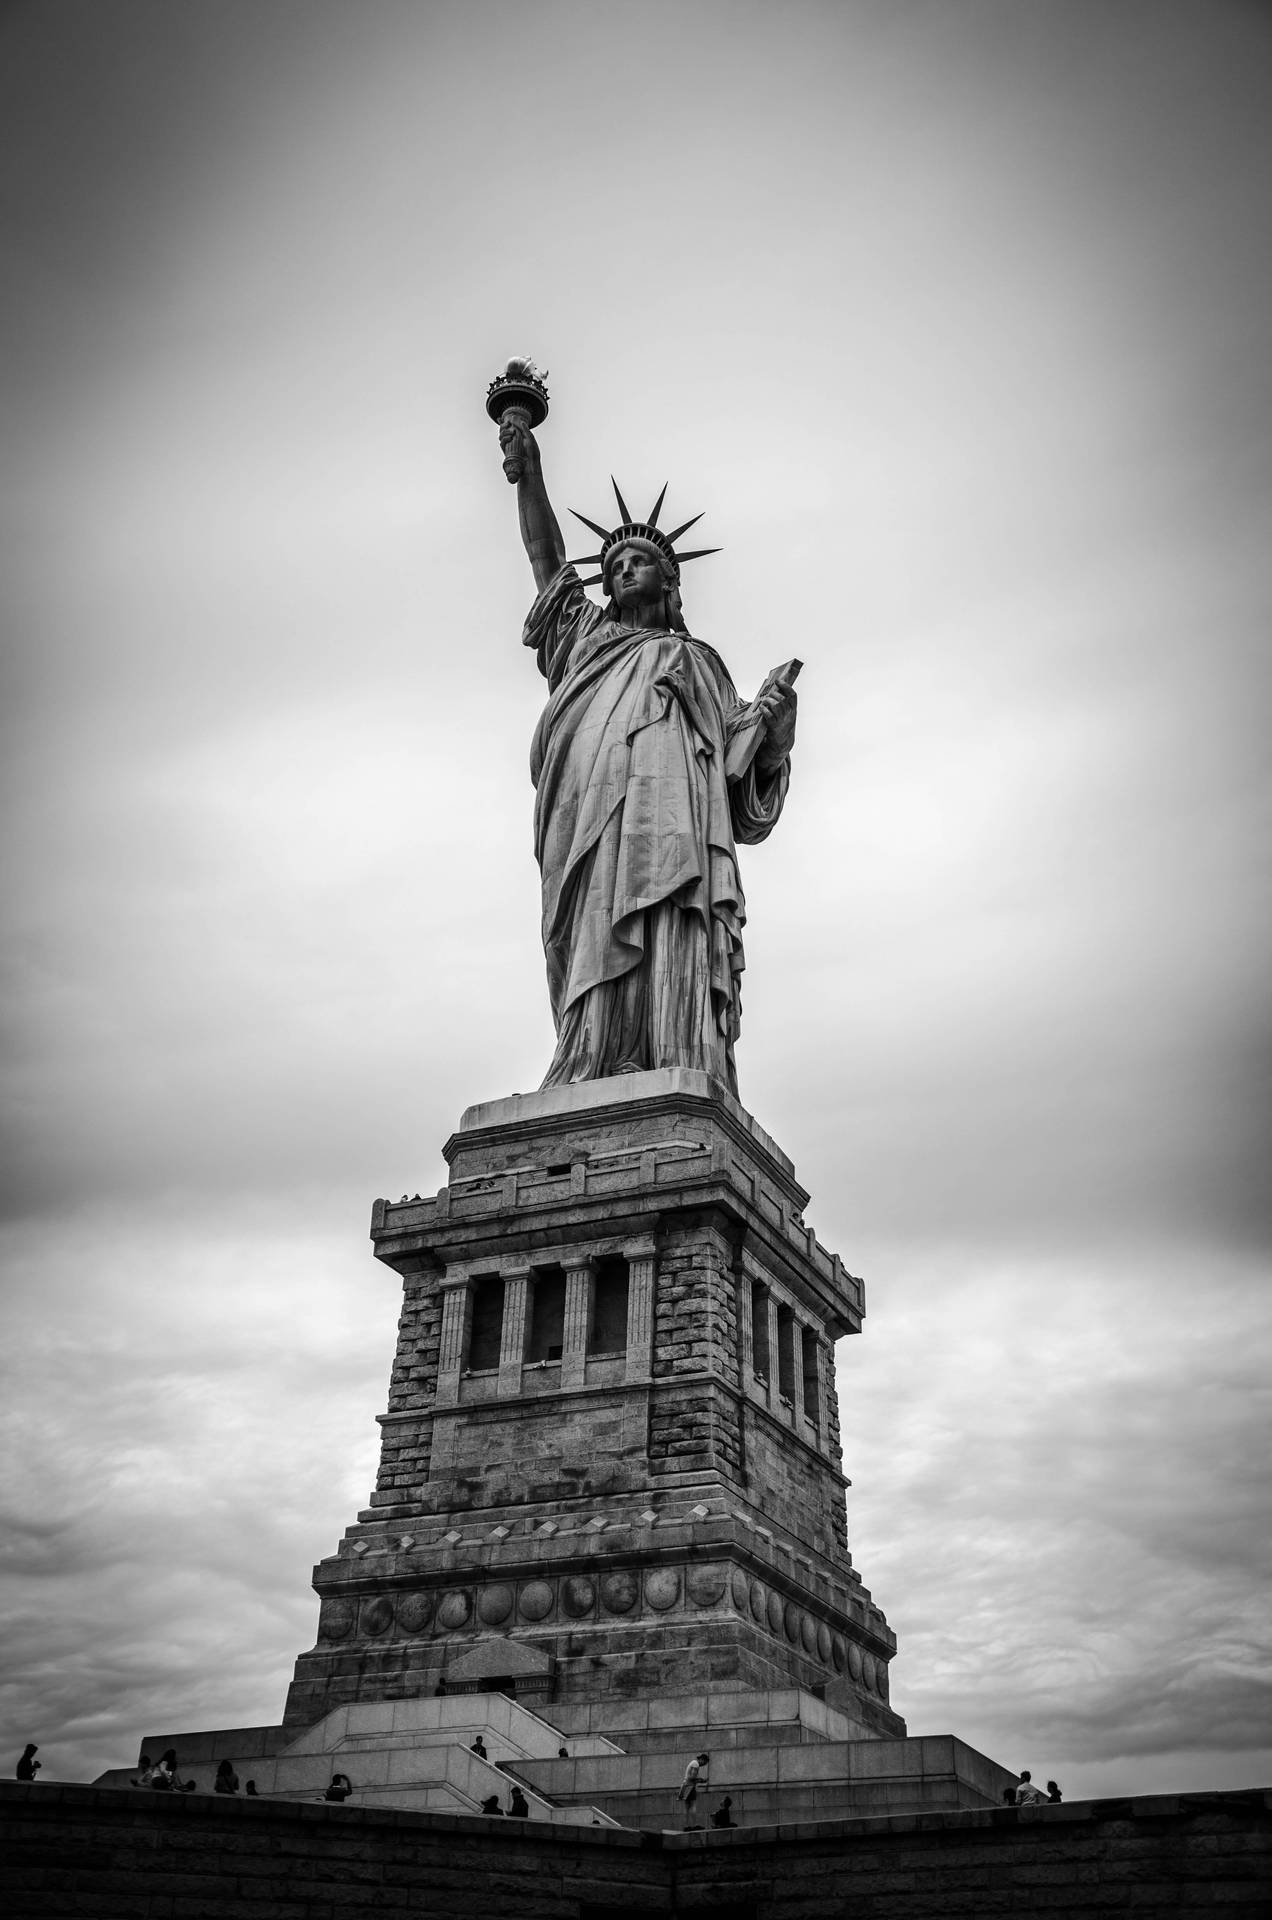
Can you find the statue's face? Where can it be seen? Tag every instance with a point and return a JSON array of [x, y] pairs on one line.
[[636, 578]]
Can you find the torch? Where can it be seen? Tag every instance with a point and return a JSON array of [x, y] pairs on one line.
[[519, 398]]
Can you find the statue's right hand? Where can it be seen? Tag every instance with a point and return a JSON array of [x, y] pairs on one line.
[[520, 450]]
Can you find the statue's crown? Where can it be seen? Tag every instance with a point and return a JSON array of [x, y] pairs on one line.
[[633, 529]]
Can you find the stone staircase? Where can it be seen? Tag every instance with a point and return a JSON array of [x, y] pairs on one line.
[[415, 1755]]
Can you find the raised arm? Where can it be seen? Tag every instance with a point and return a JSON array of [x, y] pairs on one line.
[[540, 530]]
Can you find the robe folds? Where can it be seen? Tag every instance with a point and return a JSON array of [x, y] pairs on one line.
[[636, 826]]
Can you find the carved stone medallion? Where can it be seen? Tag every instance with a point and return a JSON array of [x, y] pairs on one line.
[[662, 1588], [619, 1591], [377, 1614], [455, 1611], [578, 1595], [494, 1603], [705, 1585], [535, 1602], [337, 1620], [414, 1612]]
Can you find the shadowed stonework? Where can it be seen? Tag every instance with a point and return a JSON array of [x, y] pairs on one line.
[[610, 1466]]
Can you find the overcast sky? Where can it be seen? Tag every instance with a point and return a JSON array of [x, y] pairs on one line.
[[953, 316]]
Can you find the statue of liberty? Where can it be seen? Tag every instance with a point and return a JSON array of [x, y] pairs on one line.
[[648, 770]]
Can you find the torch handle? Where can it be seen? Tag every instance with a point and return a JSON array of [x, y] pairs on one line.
[[514, 465]]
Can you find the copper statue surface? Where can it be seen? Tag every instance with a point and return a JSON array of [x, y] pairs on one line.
[[649, 770]]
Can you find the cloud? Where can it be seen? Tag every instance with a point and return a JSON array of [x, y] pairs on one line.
[[1059, 1502]]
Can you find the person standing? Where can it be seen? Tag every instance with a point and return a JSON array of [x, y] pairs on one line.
[[226, 1779], [1027, 1795], [28, 1766], [695, 1777]]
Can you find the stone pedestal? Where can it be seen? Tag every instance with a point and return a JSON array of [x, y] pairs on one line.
[[610, 1465]]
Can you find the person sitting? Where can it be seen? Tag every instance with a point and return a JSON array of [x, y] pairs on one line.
[[226, 1779], [492, 1806], [722, 1817], [166, 1778], [1027, 1795], [340, 1789], [250, 1790], [145, 1772], [1009, 1796], [518, 1808], [28, 1766]]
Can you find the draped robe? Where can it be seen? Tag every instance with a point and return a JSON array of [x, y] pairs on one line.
[[636, 825]]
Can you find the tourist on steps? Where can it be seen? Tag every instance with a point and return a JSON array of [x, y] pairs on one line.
[[695, 1777]]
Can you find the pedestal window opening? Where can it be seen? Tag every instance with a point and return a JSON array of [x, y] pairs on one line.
[[812, 1377], [608, 1331], [547, 1315], [786, 1355], [486, 1327], [762, 1362]]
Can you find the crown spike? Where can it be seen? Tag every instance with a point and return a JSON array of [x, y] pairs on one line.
[[688, 523], [656, 509], [623, 507], [603, 532], [699, 553], [592, 580]]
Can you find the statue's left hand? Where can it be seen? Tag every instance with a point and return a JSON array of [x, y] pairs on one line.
[[777, 705]]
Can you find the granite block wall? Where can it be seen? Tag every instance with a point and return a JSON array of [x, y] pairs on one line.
[[121, 1855]]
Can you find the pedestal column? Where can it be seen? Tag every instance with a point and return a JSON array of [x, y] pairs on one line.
[[775, 1355], [456, 1308], [580, 1283], [641, 1262], [512, 1346]]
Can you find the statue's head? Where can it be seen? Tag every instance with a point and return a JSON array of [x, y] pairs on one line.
[[651, 548], [636, 557], [638, 573]]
